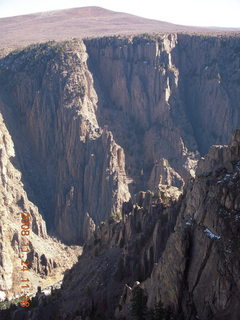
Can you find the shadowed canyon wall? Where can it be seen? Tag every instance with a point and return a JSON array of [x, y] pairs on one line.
[[180, 251], [92, 120]]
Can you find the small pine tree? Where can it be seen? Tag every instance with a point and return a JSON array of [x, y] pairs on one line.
[[139, 301], [159, 311], [150, 315], [169, 314]]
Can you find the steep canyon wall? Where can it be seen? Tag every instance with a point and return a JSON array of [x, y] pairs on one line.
[[94, 121]]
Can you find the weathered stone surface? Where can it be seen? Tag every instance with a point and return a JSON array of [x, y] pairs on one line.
[[13, 200], [88, 118], [88, 228], [185, 253], [199, 275], [75, 166], [120, 252], [144, 93], [130, 110]]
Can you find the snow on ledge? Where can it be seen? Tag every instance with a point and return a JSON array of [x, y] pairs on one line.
[[211, 235]]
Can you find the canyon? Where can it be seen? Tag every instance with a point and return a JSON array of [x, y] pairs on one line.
[[104, 143]]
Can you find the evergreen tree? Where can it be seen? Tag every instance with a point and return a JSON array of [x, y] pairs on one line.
[[159, 312], [139, 301]]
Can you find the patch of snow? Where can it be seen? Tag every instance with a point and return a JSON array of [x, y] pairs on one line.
[[228, 251], [189, 221], [211, 235], [2, 295], [226, 178], [47, 292], [167, 91]]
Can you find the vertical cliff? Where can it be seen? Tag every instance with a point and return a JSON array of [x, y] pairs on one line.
[[90, 120], [183, 250], [71, 166], [88, 111], [175, 95], [144, 92], [209, 70], [198, 273], [13, 200]]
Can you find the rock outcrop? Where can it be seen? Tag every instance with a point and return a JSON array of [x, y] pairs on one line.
[[75, 166], [198, 274], [144, 92], [109, 260], [94, 121], [13, 200], [101, 116], [176, 95], [182, 253]]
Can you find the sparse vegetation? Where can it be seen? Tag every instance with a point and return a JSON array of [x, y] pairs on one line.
[[12, 304], [114, 217], [140, 311], [139, 304]]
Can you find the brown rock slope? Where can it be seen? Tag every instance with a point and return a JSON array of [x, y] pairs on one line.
[[184, 252], [81, 22]]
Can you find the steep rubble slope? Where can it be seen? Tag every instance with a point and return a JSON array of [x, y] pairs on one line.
[[119, 251]]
